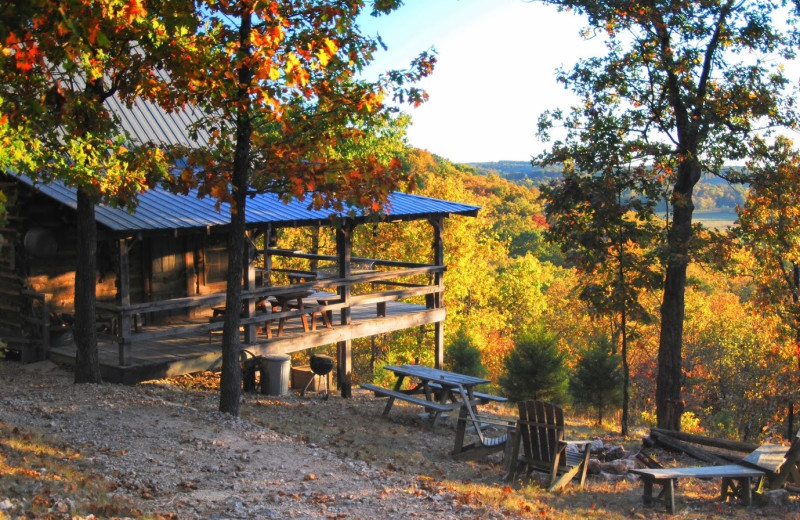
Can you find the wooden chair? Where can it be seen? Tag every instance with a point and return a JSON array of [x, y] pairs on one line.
[[540, 432], [779, 464], [485, 444]]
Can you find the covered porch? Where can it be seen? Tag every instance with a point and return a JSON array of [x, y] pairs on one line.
[[161, 290]]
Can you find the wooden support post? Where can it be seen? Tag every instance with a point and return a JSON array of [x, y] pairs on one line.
[[438, 259], [344, 247], [124, 300], [249, 284]]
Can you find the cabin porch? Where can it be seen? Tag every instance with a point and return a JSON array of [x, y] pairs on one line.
[[193, 352]]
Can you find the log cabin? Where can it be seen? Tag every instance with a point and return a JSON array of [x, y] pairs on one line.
[[161, 281]]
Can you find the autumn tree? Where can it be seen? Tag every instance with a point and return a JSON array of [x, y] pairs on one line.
[[684, 84], [769, 228], [60, 63], [285, 111]]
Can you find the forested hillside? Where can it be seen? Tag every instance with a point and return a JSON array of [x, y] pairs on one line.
[[711, 193], [504, 278]]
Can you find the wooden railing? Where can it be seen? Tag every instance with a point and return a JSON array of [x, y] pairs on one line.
[[392, 280]]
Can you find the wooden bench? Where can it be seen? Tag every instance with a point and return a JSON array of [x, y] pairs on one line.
[[393, 394], [736, 482]]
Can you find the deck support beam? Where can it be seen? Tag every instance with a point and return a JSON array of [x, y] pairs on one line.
[[344, 250], [249, 284], [124, 300], [437, 223]]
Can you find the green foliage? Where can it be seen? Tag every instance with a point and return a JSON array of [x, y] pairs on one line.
[[677, 94], [463, 356], [597, 380], [534, 369]]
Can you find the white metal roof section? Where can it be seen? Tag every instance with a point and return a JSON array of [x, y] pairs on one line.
[[159, 209]]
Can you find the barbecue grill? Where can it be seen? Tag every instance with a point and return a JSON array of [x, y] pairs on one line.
[[321, 366]]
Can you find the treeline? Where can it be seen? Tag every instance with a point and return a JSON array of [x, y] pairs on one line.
[[711, 193]]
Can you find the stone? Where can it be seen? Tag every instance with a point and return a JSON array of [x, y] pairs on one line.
[[615, 453], [776, 497], [616, 467]]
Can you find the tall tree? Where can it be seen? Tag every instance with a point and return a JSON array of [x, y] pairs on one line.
[[685, 84], [60, 62], [605, 225], [285, 111]]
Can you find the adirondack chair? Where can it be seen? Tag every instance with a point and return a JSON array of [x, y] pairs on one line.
[[779, 464], [540, 433]]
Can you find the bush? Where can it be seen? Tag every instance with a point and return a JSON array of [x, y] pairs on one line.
[[597, 381], [463, 356], [534, 369]]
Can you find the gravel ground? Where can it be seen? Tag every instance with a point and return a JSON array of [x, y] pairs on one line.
[[172, 454]]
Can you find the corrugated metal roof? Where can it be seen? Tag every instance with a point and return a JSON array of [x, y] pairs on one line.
[[159, 209]]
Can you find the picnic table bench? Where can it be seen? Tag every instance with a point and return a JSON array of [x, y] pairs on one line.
[[404, 396], [480, 397]]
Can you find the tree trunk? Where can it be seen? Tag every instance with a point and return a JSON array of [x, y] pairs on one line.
[[231, 377], [669, 406], [625, 373], [87, 362]]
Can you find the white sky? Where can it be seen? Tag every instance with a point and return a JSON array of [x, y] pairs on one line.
[[495, 72]]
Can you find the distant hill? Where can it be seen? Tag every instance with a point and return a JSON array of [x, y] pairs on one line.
[[712, 195], [519, 171]]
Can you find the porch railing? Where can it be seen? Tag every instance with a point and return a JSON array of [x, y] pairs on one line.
[[386, 282]]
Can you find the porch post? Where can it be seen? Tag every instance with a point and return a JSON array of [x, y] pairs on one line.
[[344, 246], [124, 301], [437, 223], [249, 284]]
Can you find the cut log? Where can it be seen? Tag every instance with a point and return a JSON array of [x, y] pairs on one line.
[[726, 444], [693, 451]]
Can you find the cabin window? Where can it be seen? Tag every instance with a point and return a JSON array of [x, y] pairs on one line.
[[216, 259]]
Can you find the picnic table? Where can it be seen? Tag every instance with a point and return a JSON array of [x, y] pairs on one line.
[[454, 390]]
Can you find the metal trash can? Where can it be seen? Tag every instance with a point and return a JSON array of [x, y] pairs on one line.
[[275, 374]]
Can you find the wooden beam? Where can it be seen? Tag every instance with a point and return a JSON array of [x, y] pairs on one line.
[[437, 224], [344, 250], [365, 329], [698, 453], [124, 300], [726, 444], [249, 285]]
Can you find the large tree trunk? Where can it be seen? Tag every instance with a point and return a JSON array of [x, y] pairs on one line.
[[231, 377], [87, 363], [669, 406]]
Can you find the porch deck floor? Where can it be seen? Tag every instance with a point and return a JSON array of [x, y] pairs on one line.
[[196, 352]]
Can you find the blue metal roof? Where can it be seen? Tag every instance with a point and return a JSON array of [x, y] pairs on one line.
[[159, 209]]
